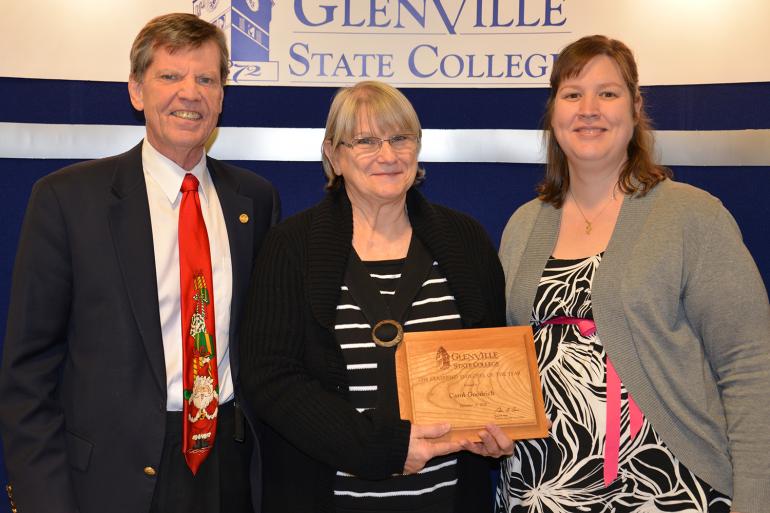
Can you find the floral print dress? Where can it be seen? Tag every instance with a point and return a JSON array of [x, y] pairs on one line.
[[565, 471]]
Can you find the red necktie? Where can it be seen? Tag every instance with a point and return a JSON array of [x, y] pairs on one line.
[[201, 388]]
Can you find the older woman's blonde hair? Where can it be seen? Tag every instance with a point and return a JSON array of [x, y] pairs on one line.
[[385, 108]]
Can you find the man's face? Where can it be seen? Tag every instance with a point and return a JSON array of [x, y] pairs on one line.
[[181, 96]]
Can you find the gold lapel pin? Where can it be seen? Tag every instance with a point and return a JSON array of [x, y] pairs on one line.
[[243, 218]]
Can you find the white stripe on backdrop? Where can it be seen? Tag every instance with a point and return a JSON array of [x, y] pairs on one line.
[[676, 148]]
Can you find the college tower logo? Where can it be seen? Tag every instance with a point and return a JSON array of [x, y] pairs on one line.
[[442, 358], [246, 24]]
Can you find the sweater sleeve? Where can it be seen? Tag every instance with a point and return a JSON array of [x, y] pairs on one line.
[[287, 394], [727, 304]]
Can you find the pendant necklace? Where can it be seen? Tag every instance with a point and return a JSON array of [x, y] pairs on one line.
[[589, 224]]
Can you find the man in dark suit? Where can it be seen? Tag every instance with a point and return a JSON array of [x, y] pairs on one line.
[[92, 372]]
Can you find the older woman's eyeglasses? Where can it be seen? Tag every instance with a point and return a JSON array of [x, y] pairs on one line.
[[369, 145]]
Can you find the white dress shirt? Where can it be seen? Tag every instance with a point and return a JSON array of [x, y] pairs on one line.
[[164, 181]]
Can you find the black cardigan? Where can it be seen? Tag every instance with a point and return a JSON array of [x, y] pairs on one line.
[[293, 372]]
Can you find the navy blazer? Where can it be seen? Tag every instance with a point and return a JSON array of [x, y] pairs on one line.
[[83, 376]]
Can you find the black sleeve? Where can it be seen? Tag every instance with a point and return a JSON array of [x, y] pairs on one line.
[[31, 418]]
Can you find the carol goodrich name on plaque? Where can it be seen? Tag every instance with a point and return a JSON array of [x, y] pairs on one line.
[[471, 378]]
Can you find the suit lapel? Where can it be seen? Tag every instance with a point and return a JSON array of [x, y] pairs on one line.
[[238, 212], [129, 217]]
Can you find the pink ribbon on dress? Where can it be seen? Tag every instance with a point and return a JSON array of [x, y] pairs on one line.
[[587, 327]]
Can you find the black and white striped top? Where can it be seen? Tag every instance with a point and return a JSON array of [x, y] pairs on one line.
[[432, 489]]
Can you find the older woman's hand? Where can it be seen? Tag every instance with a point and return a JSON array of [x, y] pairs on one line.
[[422, 448], [494, 443]]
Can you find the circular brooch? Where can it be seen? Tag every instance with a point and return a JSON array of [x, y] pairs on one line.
[[387, 333]]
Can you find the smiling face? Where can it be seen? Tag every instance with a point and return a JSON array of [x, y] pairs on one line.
[[374, 178], [181, 96], [594, 115]]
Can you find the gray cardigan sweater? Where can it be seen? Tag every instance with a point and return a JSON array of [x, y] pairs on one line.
[[681, 309]]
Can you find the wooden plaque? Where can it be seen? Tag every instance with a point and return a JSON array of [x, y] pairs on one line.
[[471, 378]]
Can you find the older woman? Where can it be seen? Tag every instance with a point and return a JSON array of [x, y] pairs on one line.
[[652, 324], [314, 369]]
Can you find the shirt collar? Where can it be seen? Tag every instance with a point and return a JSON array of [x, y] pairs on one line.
[[169, 175]]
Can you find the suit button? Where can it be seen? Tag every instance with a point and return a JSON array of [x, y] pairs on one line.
[[9, 488], [149, 471]]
